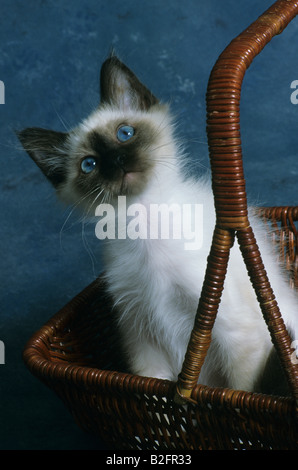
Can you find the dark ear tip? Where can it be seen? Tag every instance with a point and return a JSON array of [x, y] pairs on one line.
[[21, 135], [112, 61], [112, 53], [25, 135]]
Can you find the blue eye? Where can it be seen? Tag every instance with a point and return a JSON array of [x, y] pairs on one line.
[[125, 133], [88, 164]]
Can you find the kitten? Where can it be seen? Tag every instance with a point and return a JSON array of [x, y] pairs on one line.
[[127, 147]]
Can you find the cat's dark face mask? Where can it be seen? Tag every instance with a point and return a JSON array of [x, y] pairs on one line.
[[114, 158]]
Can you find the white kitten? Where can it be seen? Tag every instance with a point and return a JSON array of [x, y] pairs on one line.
[[127, 148]]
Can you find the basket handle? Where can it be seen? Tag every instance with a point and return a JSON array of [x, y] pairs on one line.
[[223, 129]]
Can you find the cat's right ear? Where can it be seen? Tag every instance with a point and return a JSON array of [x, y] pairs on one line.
[[47, 149], [120, 87]]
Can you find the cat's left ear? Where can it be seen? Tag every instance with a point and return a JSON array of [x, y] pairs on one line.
[[119, 86], [47, 149]]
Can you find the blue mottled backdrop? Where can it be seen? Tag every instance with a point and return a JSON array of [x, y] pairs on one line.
[[50, 57]]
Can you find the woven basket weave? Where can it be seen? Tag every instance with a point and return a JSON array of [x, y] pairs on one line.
[[77, 353]]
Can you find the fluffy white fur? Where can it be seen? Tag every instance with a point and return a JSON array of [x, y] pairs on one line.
[[156, 284]]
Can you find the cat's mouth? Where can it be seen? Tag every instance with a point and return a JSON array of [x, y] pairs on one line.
[[131, 182]]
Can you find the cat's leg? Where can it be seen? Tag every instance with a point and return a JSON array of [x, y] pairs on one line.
[[243, 366], [148, 360]]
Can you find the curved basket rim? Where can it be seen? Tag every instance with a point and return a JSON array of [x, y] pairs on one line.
[[48, 370]]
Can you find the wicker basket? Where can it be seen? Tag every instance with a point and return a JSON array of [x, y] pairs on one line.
[[76, 352]]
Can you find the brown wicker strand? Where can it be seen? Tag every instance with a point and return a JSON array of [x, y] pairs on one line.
[[208, 305], [270, 310], [223, 128], [132, 412]]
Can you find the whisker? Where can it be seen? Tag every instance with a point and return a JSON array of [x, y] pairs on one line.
[[91, 206], [88, 249], [84, 220], [73, 208], [60, 119]]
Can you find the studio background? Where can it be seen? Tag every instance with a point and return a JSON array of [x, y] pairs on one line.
[[50, 58]]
